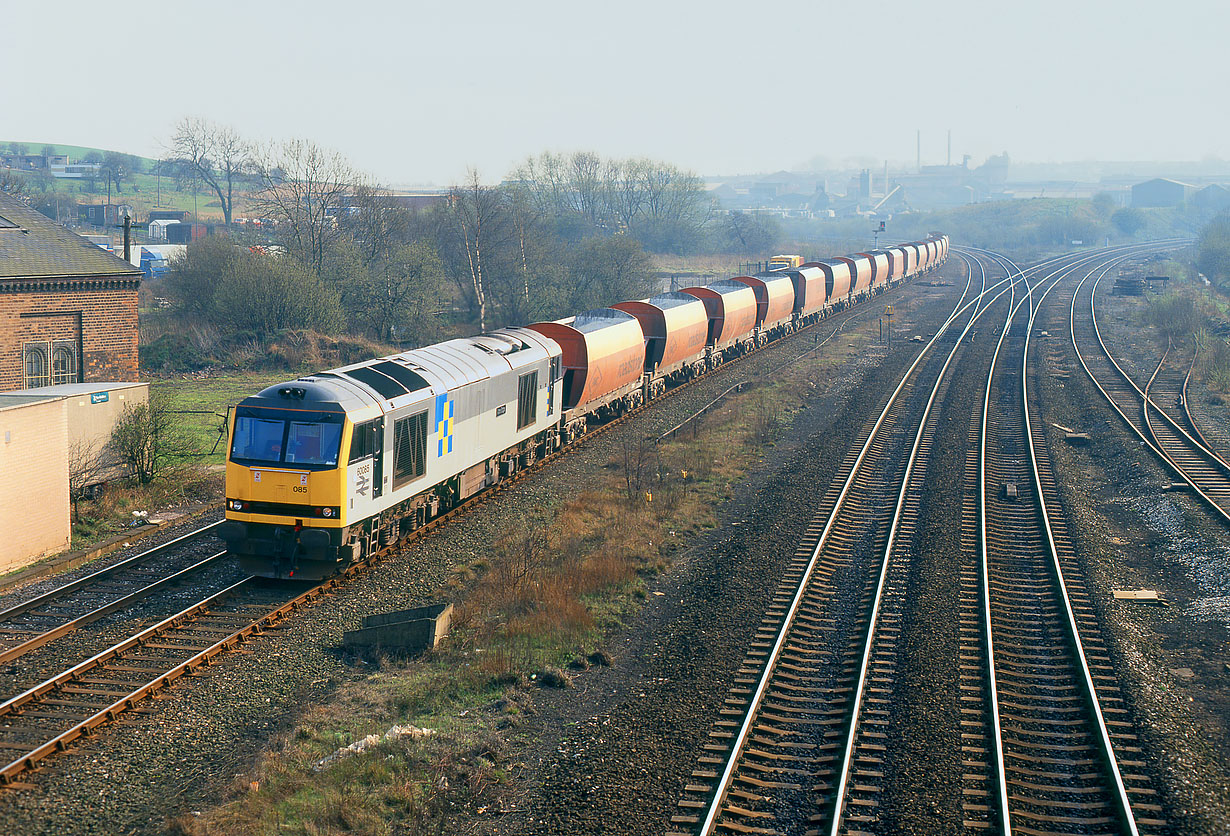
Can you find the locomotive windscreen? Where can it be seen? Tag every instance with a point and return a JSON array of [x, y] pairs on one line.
[[271, 436]]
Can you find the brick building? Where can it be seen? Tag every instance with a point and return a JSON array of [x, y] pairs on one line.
[[68, 310]]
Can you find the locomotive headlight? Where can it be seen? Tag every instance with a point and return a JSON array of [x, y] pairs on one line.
[[327, 512], [236, 505]]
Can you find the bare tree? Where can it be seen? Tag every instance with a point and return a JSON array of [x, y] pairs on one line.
[[375, 223], [13, 185], [217, 156], [588, 183], [395, 297], [149, 442], [88, 465], [666, 207], [624, 194], [478, 213], [304, 187]]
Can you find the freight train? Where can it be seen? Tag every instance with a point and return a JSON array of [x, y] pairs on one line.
[[329, 468]]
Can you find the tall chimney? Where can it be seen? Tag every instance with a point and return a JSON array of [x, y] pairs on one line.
[[127, 237], [919, 135]]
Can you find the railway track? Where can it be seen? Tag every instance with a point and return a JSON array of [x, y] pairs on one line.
[[1166, 393], [1051, 739], [34, 622], [52, 715], [787, 724], [1184, 455], [812, 730]]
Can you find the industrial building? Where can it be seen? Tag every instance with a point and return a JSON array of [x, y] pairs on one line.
[[1160, 193]]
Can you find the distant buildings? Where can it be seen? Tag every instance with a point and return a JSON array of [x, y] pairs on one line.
[[795, 194], [1212, 198], [57, 165], [1161, 192]]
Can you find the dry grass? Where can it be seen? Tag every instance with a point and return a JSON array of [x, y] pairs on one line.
[[112, 511], [546, 595]]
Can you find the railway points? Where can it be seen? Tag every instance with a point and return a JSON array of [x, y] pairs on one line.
[[1187, 457]]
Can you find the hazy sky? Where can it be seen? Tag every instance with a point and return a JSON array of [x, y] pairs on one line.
[[416, 91]]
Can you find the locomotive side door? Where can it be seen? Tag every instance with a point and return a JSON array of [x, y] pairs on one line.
[[551, 376], [377, 457]]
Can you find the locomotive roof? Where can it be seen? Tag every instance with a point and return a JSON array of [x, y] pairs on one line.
[[322, 393], [420, 373]]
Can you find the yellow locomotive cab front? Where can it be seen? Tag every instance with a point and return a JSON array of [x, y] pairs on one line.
[[285, 487]]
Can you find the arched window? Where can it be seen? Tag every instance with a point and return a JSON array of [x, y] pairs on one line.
[[37, 372], [63, 364]]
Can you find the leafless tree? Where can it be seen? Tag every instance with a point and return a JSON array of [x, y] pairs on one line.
[[88, 464], [588, 182], [478, 212], [375, 223], [663, 205], [642, 468], [303, 187], [13, 185], [545, 182], [623, 190], [149, 442], [217, 156]]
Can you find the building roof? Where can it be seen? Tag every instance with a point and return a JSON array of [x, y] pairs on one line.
[[12, 400], [72, 390], [1166, 180], [34, 246]]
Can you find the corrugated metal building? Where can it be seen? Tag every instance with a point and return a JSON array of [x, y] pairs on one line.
[[1160, 193], [1214, 198]]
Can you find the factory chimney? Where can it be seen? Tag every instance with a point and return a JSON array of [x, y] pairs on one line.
[[919, 140]]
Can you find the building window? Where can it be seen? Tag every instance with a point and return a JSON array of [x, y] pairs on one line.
[[38, 373], [63, 363]]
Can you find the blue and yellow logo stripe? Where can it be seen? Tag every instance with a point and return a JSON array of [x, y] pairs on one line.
[[444, 423]]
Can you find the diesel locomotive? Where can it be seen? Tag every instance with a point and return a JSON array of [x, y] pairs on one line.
[[331, 467]]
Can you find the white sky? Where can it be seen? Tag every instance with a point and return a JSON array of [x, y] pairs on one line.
[[414, 91]]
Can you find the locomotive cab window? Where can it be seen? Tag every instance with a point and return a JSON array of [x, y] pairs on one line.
[[527, 399], [310, 443], [409, 449], [366, 440], [270, 436]]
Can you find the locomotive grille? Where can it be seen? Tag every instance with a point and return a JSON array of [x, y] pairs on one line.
[[409, 449]]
